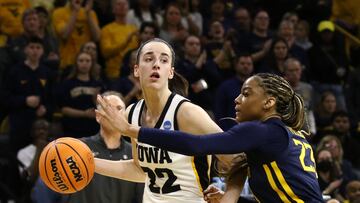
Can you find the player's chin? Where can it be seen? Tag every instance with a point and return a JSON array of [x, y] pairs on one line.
[[238, 118]]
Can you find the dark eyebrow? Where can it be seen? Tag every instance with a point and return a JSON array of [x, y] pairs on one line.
[[245, 88], [164, 54], [151, 52]]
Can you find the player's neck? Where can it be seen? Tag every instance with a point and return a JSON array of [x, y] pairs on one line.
[[155, 102], [112, 139]]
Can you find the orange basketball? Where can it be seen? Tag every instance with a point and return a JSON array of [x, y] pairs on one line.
[[66, 165]]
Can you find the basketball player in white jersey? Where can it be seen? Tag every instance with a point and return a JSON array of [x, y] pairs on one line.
[[169, 177]]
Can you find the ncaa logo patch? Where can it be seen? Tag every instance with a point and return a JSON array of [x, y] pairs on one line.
[[167, 125]]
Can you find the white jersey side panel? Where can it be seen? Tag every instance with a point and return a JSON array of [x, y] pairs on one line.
[[171, 177]]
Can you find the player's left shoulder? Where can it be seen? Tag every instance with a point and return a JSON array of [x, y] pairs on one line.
[[193, 119], [188, 110]]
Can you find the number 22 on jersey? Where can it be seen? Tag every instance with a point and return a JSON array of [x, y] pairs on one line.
[[168, 186], [306, 149]]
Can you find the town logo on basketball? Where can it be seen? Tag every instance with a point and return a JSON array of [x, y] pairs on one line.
[[74, 169]]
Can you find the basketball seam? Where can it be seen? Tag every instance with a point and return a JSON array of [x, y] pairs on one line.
[[61, 163], [46, 173], [87, 172]]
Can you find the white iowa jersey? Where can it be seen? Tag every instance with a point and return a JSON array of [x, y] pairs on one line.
[[171, 177]]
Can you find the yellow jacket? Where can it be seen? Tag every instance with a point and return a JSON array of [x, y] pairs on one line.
[[346, 10], [11, 16], [80, 35], [112, 36]]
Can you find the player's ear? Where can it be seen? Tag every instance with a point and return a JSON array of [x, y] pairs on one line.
[[136, 70], [269, 103], [171, 75]]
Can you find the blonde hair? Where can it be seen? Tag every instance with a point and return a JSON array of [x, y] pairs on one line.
[[324, 142]]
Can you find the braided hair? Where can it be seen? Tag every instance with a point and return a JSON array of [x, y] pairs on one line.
[[289, 104]]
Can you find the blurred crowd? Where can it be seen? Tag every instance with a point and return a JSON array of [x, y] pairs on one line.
[[57, 55]]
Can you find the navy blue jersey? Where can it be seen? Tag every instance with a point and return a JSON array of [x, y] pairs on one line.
[[289, 176], [281, 161]]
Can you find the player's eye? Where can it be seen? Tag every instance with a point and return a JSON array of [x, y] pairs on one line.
[[164, 60]]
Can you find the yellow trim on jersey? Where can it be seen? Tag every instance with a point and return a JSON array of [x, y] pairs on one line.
[[284, 184], [196, 175], [273, 184], [298, 133]]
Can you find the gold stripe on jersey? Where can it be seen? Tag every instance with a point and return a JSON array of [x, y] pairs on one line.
[[273, 184], [196, 175], [298, 133], [284, 184]]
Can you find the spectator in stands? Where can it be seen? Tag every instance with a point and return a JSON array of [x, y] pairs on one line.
[[328, 56], [324, 112], [102, 9], [352, 95], [117, 38], [129, 86], [217, 13], [275, 59], [242, 21], [302, 32], [74, 25], [92, 49], [329, 172], [173, 30], [259, 41], [108, 144], [76, 96], [29, 86], [196, 16], [341, 128], [353, 192], [11, 12], [46, 32], [46, 4], [187, 19], [346, 173], [29, 156], [220, 49], [148, 30], [293, 73], [292, 17], [143, 11], [347, 14], [32, 28], [230, 89], [287, 31], [201, 72]]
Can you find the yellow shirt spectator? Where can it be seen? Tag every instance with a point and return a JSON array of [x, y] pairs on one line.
[[80, 34], [346, 10], [48, 4], [11, 16], [115, 41]]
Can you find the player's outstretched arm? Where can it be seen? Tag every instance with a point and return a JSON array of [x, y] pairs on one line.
[[195, 120], [123, 169]]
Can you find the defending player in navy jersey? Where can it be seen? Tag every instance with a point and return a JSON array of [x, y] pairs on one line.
[[270, 115]]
